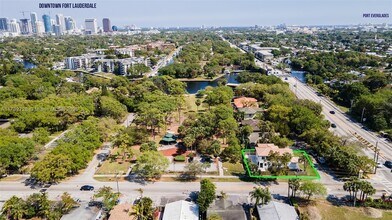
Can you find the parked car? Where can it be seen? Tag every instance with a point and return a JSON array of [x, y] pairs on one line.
[[388, 164], [379, 165], [333, 125], [87, 188], [321, 160], [285, 78], [332, 112]]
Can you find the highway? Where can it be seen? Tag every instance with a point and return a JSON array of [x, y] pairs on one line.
[[345, 126]]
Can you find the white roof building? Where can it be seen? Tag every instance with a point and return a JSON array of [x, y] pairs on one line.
[[277, 211], [181, 210]]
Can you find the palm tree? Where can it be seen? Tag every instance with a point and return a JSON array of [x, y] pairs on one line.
[[260, 193], [14, 208], [304, 160]]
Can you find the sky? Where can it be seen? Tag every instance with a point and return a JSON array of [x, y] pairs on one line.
[[195, 13]]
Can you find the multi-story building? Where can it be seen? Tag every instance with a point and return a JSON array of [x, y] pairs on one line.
[[34, 20], [106, 25], [74, 63], [60, 22], [69, 24], [40, 27], [14, 26], [4, 24], [47, 23], [56, 29], [25, 26], [91, 26]]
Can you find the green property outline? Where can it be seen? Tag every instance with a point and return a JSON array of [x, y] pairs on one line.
[[317, 177]]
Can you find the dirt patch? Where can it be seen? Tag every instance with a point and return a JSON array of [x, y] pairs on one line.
[[174, 152], [372, 212], [313, 213]]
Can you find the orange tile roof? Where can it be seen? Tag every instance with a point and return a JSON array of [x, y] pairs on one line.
[[245, 102], [263, 150]]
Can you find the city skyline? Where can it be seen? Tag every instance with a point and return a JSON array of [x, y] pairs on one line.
[[192, 13]]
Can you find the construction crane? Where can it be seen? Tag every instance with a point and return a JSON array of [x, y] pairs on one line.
[[23, 13]]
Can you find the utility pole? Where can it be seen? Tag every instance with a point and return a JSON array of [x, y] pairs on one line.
[[363, 112], [118, 189], [376, 154]]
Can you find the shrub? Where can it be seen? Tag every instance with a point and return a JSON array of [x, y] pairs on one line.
[[179, 158]]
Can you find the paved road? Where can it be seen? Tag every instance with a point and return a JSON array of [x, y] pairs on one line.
[[164, 62], [345, 126]]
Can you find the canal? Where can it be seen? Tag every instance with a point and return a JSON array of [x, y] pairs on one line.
[[194, 86]]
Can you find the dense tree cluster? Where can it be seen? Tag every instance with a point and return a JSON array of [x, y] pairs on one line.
[[208, 58], [73, 153], [199, 131], [37, 205], [14, 151]]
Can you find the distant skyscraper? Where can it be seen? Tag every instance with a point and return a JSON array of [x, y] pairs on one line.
[[69, 23], [61, 22], [40, 27], [47, 23], [106, 25], [4, 24], [14, 26], [25, 26], [91, 26], [56, 29], [34, 20]]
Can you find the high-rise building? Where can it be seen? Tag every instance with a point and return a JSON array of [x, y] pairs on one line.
[[4, 24], [47, 23], [34, 20], [14, 26], [60, 22], [106, 25], [25, 26], [56, 29], [69, 23], [91, 26], [40, 27]]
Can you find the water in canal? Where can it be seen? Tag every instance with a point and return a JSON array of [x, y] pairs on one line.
[[193, 87], [300, 75]]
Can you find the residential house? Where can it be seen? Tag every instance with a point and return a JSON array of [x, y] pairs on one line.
[[122, 211], [277, 210], [262, 152], [248, 106], [228, 208], [180, 210], [254, 137]]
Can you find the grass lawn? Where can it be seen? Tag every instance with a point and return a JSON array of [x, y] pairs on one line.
[[233, 169], [190, 101], [109, 179], [113, 167], [327, 211]]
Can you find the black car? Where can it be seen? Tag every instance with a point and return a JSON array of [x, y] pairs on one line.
[[87, 188], [332, 112], [388, 164], [333, 125]]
